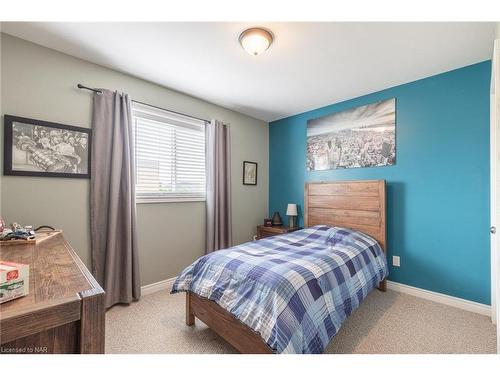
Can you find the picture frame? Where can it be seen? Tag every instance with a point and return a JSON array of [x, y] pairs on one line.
[[357, 137], [38, 148], [249, 173]]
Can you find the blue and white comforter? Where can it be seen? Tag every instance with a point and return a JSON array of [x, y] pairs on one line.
[[295, 289]]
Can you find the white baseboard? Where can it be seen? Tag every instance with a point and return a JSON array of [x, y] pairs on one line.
[[460, 303], [158, 286]]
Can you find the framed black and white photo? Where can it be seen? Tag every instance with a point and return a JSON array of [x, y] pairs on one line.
[[249, 173], [45, 149], [360, 137]]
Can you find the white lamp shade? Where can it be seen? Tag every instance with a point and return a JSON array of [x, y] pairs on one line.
[[291, 210]]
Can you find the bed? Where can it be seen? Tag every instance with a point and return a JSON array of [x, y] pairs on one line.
[[291, 293]]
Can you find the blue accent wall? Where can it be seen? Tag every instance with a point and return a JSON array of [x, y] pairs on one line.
[[438, 205]]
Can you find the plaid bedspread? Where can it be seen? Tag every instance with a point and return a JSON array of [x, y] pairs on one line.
[[295, 289]]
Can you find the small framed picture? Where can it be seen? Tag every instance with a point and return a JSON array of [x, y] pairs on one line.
[[249, 173], [45, 149]]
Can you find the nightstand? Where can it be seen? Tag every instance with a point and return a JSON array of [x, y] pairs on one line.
[[263, 231]]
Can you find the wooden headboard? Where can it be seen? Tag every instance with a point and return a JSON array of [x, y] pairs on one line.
[[356, 205]]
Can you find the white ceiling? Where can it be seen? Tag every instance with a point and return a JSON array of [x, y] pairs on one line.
[[308, 66]]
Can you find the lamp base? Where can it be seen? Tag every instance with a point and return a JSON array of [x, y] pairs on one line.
[[291, 221]]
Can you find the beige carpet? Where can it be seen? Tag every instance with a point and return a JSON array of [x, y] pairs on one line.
[[384, 323]]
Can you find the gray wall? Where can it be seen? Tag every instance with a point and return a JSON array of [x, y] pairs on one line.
[[1, 129], [41, 83]]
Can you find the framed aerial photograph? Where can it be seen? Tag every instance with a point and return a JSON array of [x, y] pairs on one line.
[[355, 138], [249, 173], [45, 149]]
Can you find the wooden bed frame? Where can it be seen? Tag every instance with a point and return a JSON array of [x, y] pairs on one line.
[[357, 205]]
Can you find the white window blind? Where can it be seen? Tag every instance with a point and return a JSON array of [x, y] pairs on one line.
[[170, 155]]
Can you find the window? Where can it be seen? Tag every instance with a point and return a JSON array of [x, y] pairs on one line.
[[170, 155]]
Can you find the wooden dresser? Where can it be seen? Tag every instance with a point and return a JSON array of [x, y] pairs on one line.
[[64, 310]]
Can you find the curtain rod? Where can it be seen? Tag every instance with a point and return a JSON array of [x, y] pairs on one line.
[[80, 86]]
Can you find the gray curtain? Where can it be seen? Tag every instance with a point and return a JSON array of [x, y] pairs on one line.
[[218, 148], [112, 199]]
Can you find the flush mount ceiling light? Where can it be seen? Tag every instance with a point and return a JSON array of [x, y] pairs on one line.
[[256, 40]]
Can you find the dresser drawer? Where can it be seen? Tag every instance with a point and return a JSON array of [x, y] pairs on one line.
[[263, 231]]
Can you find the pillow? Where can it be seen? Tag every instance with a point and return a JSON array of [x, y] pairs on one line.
[[338, 235]]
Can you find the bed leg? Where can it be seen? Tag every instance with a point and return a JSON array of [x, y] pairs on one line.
[[383, 285], [189, 313]]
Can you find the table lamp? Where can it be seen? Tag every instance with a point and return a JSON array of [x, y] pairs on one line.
[[291, 212]]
